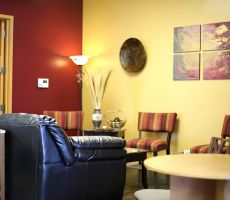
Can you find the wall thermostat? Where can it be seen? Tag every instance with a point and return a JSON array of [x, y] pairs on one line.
[[43, 82]]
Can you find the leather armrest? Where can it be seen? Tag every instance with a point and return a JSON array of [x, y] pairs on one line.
[[89, 155], [97, 142], [96, 148]]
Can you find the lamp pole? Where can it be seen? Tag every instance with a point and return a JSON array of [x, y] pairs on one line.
[[79, 60]]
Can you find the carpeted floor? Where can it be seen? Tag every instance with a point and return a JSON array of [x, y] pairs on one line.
[[133, 181]]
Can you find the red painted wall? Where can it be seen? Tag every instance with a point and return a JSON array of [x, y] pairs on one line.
[[46, 32]]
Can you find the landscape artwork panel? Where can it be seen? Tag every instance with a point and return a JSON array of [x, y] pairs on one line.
[[216, 65], [187, 39], [186, 67], [216, 36]]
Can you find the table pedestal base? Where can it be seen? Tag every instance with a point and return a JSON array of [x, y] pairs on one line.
[[199, 189]]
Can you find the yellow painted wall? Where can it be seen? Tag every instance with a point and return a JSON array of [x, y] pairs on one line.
[[201, 105]]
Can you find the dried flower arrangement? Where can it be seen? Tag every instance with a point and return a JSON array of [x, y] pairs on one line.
[[96, 79]]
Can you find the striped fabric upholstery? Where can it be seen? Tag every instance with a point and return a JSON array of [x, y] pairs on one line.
[[224, 133], [154, 145], [154, 122], [68, 120], [200, 149]]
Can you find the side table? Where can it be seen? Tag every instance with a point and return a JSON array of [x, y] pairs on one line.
[[139, 155], [108, 132]]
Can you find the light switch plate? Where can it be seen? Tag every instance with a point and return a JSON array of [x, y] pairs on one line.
[[43, 82]]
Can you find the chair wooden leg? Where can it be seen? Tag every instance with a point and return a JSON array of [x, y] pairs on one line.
[[168, 151], [155, 153]]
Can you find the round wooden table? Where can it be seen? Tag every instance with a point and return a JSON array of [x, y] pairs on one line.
[[195, 176]]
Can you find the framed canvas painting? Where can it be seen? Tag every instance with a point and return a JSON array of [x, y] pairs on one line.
[[186, 66], [216, 65], [187, 39], [216, 36]]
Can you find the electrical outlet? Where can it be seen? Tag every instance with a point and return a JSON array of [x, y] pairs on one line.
[[186, 151]]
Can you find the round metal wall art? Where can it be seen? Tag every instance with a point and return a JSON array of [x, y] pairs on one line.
[[132, 55]]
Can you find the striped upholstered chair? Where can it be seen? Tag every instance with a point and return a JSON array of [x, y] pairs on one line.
[[225, 133], [157, 123], [70, 121]]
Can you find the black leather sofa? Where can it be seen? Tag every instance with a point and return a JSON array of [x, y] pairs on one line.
[[42, 163]]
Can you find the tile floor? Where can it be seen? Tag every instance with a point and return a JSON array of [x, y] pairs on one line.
[[133, 181]]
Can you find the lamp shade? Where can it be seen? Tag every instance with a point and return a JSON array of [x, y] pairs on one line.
[[79, 59]]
